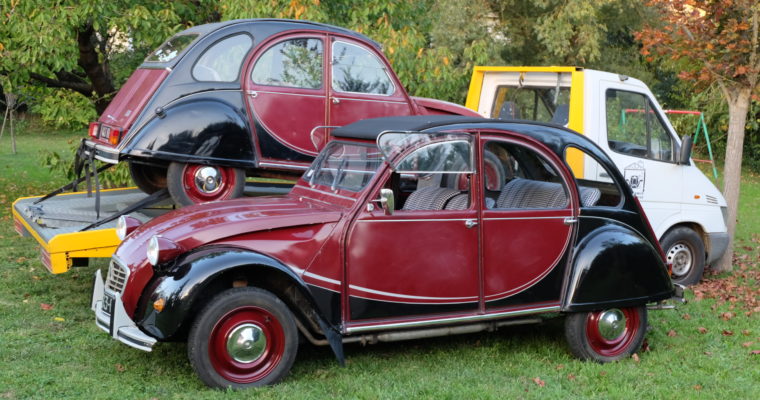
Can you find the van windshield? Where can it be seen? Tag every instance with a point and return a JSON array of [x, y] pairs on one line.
[[171, 48]]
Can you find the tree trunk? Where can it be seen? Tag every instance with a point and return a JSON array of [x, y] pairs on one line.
[[96, 70], [738, 106]]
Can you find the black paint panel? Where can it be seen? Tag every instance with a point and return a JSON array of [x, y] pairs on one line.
[[272, 148], [545, 291], [373, 309]]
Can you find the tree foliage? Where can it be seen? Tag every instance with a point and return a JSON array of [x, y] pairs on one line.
[[714, 42]]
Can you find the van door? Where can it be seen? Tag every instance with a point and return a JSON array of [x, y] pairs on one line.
[[643, 147]]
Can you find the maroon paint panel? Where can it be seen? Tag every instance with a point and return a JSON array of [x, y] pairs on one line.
[[438, 107], [351, 107], [132, 97], [414, 257], [534, 240]]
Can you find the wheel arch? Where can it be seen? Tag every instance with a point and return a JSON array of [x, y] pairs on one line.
[[694, 226]]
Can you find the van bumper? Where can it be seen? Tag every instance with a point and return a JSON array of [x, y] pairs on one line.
[[718, 245]]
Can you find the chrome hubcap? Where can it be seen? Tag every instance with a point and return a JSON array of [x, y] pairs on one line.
[[612, 324], [246, 343], [680, 257], [208, 179]]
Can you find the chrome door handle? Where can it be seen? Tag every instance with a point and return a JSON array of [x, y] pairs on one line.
[[470, 223], [335, 100], [570, 220]]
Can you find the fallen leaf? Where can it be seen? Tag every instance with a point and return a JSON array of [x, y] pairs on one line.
[[539, 382], [686, 317], [36, 278], [746, 332], [46, 307], [754, 352], [571, 377], [747, 344], [59, 319], [636, 357], [726, 332], [727, 315], [702, 329], [603, 373], [697, 387], [120, 368], [708, 353], [672, 333], [560, 366]]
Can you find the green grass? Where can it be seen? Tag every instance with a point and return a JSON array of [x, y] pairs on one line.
[[60, 353]]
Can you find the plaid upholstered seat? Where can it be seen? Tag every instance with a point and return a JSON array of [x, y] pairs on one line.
[[527, 193], [430, 198]]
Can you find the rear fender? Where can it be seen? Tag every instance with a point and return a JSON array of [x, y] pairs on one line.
[[614, 266], [196, 277], [200, 129]]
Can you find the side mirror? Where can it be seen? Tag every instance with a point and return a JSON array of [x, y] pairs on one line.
[[685, 151], [387, 201]]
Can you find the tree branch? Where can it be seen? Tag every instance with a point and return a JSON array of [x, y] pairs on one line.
[[83, 88]]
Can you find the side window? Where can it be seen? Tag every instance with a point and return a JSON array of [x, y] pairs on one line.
[[517, 177], [633, 127], [595, 184], [532, 103], [292, 63], [356, 70], [221, 62]]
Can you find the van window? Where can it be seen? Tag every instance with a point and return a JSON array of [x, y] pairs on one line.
[[595, 184], [356, 70], [635, 129], [532, 103], [221, 62], [291, 63]]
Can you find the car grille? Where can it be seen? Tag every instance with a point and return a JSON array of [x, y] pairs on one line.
[[117, 277]]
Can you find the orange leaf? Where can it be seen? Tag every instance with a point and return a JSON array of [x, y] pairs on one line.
[[702, 329], [747, 344], [636, 357], [46, 307], [726, 332], [539, 382], [672, 333]]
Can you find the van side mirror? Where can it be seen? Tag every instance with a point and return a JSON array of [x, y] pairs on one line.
[[685, 151], [387, 201]]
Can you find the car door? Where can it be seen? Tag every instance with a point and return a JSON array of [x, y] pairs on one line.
[[362, 85], [287, 95], [527, 222], [422, 259]]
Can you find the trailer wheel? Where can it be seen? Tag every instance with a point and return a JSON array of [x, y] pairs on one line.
[[196, 183], [148, 178], [245, 337], [685, 251], [606, 335]]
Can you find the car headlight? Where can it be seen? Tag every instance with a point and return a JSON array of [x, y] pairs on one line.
[[161, 250], [125, 225]]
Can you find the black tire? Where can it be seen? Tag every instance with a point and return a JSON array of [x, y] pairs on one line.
[[187, 187], [247, 314], [589, 340], [147, 178], [685, 250]]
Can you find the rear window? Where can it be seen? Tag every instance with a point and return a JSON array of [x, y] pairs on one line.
[[171, 48]]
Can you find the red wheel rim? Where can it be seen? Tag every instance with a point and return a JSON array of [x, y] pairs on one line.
[[204, 183], [236, 365], [610, 339]]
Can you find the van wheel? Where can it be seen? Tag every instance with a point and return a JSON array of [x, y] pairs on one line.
[[196, 183], [607, 335], [245, 337], [685, 251], [148, 178]]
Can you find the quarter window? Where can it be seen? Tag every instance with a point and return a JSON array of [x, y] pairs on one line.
[[596, 187], [292, 63], [634, 128], [356, 70], [221, 62]]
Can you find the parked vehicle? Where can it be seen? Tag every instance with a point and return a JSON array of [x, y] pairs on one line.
[[222, 101], [447, 225], [622, 116]]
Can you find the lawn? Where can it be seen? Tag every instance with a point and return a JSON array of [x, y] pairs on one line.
[[51, 348]]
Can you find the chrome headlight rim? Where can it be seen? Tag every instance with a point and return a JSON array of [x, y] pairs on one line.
[[154, 251]]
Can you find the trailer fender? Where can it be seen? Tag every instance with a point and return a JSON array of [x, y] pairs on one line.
[[613, 266], [195, 278], [202, 131]]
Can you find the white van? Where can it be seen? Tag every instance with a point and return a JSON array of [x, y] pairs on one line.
[[619, 113]]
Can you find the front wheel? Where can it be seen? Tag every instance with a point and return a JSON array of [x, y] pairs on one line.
[[196, 183], [685, 251], [607, 335], [245, 337]]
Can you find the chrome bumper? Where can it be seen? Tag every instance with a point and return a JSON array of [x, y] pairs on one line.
[[102, 153], [117, 323]]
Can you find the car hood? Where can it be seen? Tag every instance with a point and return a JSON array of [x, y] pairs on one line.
[[201, 224]]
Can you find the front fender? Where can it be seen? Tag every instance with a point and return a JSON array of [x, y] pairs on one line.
[[613, 266], [182, 286], [203, 129]]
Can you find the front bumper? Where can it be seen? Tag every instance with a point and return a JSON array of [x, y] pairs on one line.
[[101, 152], [718, 245], [116, 322]]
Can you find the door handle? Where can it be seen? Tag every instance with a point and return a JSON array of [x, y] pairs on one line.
[[470, 223], [335, 100], [570, 220]]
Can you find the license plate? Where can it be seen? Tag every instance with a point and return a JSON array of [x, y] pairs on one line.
[[108, 301]]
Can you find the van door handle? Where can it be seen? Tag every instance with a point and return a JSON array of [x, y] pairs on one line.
[[470, 223]]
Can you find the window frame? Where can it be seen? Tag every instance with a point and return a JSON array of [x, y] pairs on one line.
[[271, 45], [614, 180], [241, 67], [380, 61]]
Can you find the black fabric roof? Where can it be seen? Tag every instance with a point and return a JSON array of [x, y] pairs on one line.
[[369, 128]]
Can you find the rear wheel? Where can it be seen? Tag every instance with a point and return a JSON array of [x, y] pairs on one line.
[[147, 178], [685, 251], [245, 337], [607, 335], [196, 183]]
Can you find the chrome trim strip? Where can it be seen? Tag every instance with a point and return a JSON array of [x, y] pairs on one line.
[[253, 92], [368, 100], [520, 218], [322, 278], [417, 220], [284, 166], [407, 296], [442, 321], [331, 194]]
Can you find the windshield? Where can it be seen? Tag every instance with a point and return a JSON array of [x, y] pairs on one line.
[[171, 48], [347, 166], [543, 104]]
